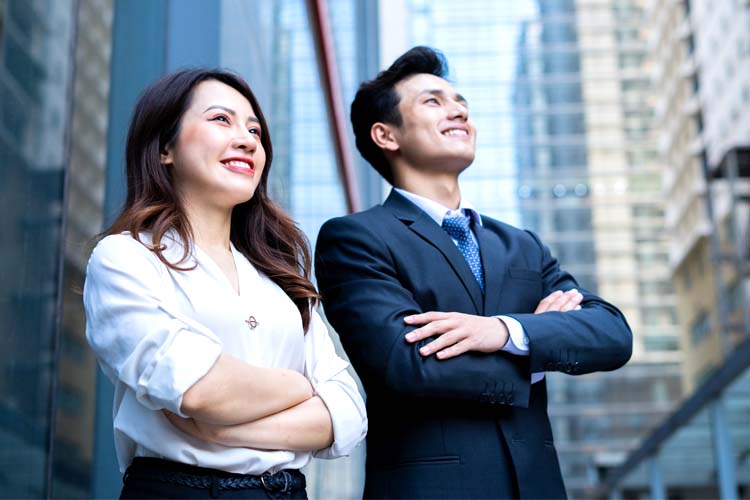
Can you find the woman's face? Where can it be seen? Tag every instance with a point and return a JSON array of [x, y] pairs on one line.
[[217, 158]]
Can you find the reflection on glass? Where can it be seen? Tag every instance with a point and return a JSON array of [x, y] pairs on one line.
[[35, 82]]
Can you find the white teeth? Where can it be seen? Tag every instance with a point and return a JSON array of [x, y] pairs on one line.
[[455, 132], [238, 163]]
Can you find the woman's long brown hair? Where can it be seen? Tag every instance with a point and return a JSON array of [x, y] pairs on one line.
[[261, 230]]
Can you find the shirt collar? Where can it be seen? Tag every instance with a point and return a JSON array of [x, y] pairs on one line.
[[437, 211]]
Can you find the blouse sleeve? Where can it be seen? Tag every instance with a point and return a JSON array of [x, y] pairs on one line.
[[139, 336], [331, 382]]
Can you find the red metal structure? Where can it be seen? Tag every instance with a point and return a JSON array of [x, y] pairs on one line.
[[329, 75]]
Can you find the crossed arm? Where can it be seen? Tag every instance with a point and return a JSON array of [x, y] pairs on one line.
[[277, 410], [362, 282], [144, 341], [458, 333]]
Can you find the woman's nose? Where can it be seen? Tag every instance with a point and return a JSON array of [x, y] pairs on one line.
[[247, 140]]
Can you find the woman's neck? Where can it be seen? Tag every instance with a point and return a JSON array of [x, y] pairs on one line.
[[211, 226]]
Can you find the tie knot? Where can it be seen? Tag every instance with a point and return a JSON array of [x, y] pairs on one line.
[[459, 226]]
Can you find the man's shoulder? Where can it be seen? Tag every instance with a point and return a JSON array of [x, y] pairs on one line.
[[366, 219], [500, 226]]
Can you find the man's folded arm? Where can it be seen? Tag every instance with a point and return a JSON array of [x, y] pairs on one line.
[[595, 338], [366, 304]]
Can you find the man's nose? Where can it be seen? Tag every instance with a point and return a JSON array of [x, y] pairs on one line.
[[458, 110]]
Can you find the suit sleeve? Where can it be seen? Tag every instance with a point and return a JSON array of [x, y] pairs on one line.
[[595, 338], [366, 304]]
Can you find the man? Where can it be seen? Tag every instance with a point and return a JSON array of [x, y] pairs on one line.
[[451, 318]]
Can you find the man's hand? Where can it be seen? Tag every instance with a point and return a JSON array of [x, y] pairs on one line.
[[458, 332], [560, 301]]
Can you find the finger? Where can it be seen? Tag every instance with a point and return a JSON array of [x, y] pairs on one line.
[[454, 350], [546, 301], [428, 317], [559, 303], [440, 343], [438, 327], [574, 299]]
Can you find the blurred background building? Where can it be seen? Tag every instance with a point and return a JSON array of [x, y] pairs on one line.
[[619, 130]]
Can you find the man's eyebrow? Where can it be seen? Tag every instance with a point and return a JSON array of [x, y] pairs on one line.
[[253, 119], [441, 92]]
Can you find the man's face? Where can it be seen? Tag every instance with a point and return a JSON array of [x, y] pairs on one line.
[[436, 133]]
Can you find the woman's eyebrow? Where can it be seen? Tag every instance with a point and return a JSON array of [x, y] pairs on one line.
[[253, 119]]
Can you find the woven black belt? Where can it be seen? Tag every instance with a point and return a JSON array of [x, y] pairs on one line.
[[164, 471]]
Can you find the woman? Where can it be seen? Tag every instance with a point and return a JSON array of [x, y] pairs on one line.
[[200, 309]]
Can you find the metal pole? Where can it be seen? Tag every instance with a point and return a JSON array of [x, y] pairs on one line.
[[656, 483], [723, 454], [328, 67]]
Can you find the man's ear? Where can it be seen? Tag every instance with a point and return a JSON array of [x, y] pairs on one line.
[[382, 135]]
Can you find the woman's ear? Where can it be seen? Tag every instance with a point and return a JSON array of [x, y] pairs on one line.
[[166, 156], [384, 137]]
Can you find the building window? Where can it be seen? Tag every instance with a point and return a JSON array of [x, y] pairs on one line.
[[700, 329]]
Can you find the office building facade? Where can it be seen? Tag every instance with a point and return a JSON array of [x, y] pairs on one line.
[[70, 73], [559, 91]]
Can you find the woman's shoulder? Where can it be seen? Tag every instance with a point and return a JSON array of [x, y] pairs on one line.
[[123, 242], [124, 250]]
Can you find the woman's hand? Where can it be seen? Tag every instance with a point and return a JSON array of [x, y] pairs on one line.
[[212, 433]]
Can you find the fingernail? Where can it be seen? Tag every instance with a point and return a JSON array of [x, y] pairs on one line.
[[410, 336], [572, 291], [408, 318], [440, 355], [424, 350]]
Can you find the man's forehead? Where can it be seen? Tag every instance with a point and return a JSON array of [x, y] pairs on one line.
[[415, 84]]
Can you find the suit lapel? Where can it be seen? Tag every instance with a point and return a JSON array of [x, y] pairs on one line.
[[426, 228], [493, 254]]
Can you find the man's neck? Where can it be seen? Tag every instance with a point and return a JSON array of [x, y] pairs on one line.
[[442, 188]]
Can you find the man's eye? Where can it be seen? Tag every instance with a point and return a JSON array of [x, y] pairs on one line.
[[432, 99]]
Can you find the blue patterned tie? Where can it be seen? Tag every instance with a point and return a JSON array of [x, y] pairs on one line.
[[459, 228]]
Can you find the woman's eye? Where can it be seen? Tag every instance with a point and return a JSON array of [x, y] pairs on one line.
[[221, 118], [255, 131]]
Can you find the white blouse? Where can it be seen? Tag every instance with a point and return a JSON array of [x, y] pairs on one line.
[[157, 331]]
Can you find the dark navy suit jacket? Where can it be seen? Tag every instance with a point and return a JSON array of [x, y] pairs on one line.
[[471, 426]]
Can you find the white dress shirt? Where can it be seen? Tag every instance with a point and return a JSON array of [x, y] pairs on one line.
[[157, 331], [518, 341]]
